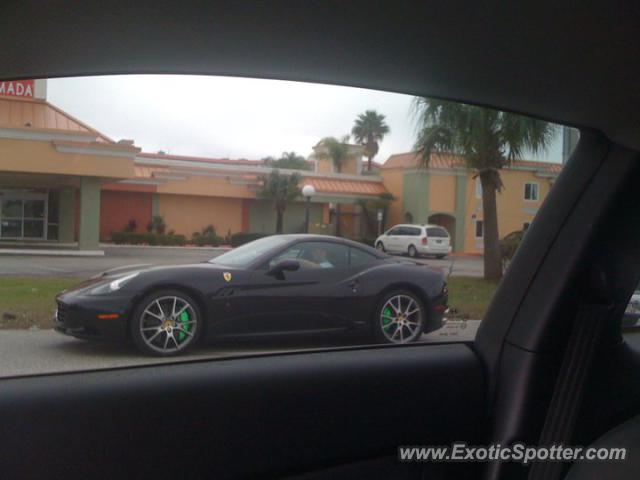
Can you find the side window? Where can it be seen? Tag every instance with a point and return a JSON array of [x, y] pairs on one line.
[[359, 257], [479, 229], [316, 255], [394, 231], [415, 231]]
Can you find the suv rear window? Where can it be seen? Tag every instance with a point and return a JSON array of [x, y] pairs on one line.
[[437, 232]]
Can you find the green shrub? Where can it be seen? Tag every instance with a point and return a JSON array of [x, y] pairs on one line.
[[241, 238], [207, 240], [131, 226], [132, 238], [508, 247]]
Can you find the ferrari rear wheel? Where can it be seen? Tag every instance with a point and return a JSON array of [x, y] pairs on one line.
[[399, 318], [166, 323]]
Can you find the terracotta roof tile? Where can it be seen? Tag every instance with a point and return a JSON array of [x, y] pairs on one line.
[[438, 160], [345, 186], [187, 158]]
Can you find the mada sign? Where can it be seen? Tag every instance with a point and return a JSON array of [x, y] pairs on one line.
[[18, 88]]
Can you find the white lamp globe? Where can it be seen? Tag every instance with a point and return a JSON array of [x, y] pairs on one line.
[[308, 191]]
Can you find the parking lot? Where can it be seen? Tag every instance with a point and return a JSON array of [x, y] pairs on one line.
[[115, 256]]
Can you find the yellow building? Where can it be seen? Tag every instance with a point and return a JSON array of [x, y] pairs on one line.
[[448, 194]]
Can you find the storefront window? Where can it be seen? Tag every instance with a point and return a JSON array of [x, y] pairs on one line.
[[23, 215]]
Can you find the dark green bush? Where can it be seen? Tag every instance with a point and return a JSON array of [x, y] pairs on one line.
[[132, 238], [241, 238], [207, 240], [508, 247]]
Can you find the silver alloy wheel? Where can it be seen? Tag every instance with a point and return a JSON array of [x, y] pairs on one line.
[[401, 319], [412, 251], [168, 324]]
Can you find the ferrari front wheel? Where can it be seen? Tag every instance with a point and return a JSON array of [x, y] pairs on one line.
[[400, 317], [165, 323]]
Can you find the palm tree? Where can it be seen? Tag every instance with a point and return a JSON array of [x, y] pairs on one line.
[[369, 129], [487, 140], [288, 160], [336, 150], [282, 189]]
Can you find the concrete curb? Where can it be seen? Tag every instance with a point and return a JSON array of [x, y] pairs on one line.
[[164, 247], [51, 252]]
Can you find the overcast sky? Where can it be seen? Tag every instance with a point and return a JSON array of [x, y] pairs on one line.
[[231, 117]]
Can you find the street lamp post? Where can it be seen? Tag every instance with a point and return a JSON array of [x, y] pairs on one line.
[[307, 192]]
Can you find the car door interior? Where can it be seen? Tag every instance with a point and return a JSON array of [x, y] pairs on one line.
[[342, 412]]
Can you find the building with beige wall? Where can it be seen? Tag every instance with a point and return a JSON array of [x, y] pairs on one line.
[[449, 194]]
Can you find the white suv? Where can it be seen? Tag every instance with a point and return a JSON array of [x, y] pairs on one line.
[[415, 240]]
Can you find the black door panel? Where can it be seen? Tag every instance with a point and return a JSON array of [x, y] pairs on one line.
[[301, 301], [270, 416]]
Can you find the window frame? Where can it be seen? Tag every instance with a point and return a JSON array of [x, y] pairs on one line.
[[537, 191]]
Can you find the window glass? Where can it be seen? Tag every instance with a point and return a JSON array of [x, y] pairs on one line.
[[531, 191], [11, 208], [215, 214], [360, 257], [243, 256], [34, 208], [437, 232], [316, 255]]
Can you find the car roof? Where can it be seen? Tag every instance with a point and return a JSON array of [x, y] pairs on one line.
[[419, 225], [330, 238]]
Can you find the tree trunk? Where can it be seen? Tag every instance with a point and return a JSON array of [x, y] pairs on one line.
[[492, 260], [369, 162], [279, 216]]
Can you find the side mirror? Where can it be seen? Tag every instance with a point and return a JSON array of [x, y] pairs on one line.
[[288, 265]]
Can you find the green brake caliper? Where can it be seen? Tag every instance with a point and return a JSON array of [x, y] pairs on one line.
[[184, 317], [386, 317]]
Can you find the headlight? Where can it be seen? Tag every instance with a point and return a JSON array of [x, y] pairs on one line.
[[113, 286]]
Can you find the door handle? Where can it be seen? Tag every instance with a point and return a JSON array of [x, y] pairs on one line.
[[353, 285]]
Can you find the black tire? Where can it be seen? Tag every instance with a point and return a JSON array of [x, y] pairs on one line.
[[412, 251], [380, 246], [440, 257], [378, 319], [194, 323]]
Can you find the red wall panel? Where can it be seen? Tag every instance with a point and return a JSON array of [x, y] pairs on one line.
[[118, 207]]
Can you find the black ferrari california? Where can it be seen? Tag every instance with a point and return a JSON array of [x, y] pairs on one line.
[[281, 284]]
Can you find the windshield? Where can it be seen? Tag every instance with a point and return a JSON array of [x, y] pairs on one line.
[[244, 255]]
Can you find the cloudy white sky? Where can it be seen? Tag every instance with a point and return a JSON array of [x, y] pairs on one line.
[[231, 117]]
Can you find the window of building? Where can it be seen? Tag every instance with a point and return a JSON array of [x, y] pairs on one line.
[[479, 229], [531, 191]]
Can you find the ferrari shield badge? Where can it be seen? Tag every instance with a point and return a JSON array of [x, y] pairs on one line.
[[226, 276]]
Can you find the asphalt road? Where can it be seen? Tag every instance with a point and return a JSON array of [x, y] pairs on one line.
[[30, 352], [27, 265]]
